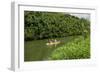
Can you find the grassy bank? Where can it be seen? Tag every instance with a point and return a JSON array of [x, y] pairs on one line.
[[79, 48]]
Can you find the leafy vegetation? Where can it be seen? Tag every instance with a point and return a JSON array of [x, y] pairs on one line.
[[79, 48], [72, 32], [42, 25]]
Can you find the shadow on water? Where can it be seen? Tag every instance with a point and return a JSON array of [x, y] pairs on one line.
[[37, 50]]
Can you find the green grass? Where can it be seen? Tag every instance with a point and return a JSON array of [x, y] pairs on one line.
[[37, 50], [79, 48]]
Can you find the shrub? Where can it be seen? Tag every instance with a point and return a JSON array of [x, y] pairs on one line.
[[76, 49]]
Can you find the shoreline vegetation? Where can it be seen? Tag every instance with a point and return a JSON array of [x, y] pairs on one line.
[[55, 36], [79, 48]]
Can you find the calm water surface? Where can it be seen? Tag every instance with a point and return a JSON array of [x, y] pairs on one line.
[[37, 50]]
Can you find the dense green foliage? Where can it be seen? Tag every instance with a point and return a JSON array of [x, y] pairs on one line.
[[41, 25], [72, 32], [79, 48]]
